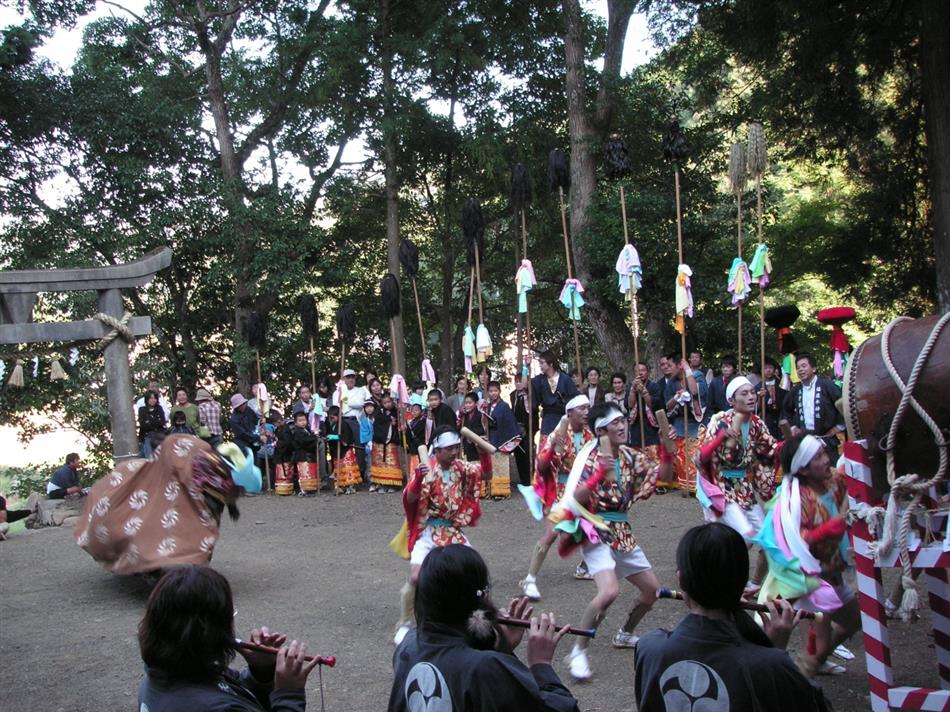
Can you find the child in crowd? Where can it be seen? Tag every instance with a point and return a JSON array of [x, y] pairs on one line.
[[180, 423], [386, 471], [346, 471], [366, 436], [304, 457]]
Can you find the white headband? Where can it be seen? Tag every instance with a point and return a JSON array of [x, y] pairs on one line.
[[446, 440], [809, 447], [606, 420], [735, 384], [577, 402]]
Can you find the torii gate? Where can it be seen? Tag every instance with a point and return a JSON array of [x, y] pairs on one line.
[[18, 293]]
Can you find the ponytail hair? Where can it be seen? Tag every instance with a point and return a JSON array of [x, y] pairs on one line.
[[713, 565]]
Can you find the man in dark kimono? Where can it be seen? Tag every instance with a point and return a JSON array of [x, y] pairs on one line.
[[551, 390], [810, 405]]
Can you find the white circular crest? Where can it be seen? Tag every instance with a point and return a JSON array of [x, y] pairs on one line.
[[691, 686], [426, 690]]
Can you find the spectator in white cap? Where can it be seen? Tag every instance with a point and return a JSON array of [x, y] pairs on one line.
[[351, 413], [737, 472], [553, 466], [608, 477]]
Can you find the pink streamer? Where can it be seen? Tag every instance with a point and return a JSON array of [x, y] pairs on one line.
[[428, 373], [590, 531], [398, 389]]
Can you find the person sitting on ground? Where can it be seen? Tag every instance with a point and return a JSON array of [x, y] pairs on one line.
[[180, 423], [8, 516], [461, 642], [182, 405], [187, 639], [66, 479], [741, 666]]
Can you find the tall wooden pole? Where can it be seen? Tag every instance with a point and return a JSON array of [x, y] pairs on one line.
[[422, 336], [739, 253], [570, 275], [679, 242], [260, 404], [527, 348], [634, 319]]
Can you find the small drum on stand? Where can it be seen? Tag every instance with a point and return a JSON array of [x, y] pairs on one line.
[[308, 476], [283, 479]]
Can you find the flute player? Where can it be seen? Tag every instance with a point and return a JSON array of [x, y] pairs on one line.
[[746, 669]]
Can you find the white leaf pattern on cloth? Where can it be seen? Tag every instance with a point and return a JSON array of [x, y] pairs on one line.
[[170, 518], [83, 539], [130, 557], [206, 518], [115, 479], [133, 525], [207, 544], [171, 491], [167, 546], [183, 446], [102, 534], [138, 499], [102, 506], [134, 465]]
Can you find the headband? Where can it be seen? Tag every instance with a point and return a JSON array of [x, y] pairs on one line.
[[446, 440], [606, 420], [809, 447], [735, 384], [577, 402]]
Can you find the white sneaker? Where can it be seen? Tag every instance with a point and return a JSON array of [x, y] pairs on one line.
[[400, 634], [830, 668], [843, 653], [623, 639], [530, 588], [579, 665]]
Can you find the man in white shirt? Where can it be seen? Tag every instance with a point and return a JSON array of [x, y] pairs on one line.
[[355, 397], [810, 406]]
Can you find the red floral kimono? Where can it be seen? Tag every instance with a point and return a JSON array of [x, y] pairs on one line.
[[633, 479], [554, 462], [447, 496], [753, 454]]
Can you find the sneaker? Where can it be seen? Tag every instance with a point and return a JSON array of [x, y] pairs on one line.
[[661, 490], [400, 634], [373, 488], [530, 588], [581, 573], [579, 665], [830, 668], [843, 653], [623, 639]]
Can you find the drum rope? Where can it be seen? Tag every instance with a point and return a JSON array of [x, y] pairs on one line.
[[910, 485]]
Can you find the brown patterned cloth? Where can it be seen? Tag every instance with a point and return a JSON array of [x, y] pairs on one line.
[[151, 514]]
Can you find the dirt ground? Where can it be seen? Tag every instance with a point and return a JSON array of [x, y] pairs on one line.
[[319, 569]]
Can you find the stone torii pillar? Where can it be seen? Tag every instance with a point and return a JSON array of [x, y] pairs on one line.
[[114, 328]]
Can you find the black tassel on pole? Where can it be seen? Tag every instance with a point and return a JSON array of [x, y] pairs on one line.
[[409, 258], [346, 323], [473, 228], [255, 330], [675, 145], [617, 159], [520, 188], [559, 175], [308, 315], [389, 296]]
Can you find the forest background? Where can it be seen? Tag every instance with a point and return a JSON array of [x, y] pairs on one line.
[[220, 128]]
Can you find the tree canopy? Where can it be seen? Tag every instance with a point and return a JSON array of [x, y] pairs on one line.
[[279, 147]]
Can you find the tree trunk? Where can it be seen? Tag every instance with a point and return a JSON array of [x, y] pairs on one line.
[[935, 70], [587, 134], [231, 171], [398, 351]]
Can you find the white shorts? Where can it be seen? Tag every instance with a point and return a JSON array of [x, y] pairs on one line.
[[600, 557], [424, 545], [843, 591], [747, 522]]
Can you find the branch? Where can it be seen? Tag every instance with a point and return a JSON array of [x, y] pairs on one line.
[[278, 113], [321, 178], [618, 18]]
